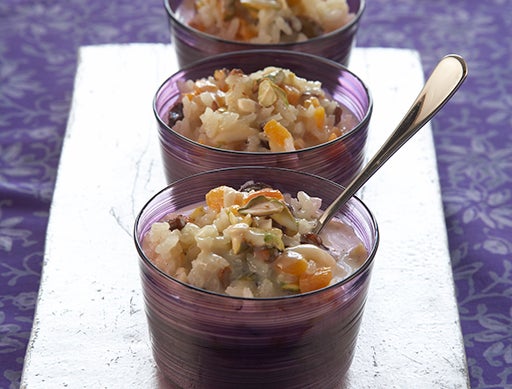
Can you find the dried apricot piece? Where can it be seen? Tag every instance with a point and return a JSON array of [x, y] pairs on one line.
[[319, 116], [293, 95], [317, 280], [215, 198], [291, 262], [279, 138], [267, 192]]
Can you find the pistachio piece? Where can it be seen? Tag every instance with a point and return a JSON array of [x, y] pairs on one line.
[[277, 76], [241, 234], [262, 206], [266, 93], [251, 185], [273, 238], [269, 90], [291, 287], [276, 209], [287, 221]]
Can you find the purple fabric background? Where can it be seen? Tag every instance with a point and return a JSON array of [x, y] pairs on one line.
[[38, 53]]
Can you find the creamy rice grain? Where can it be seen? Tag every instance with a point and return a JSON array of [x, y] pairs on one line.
[[254, 242], [269, 110]]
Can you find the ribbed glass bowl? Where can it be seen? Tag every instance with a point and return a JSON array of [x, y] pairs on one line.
[[339, 160], [202, 339], [192, 45]]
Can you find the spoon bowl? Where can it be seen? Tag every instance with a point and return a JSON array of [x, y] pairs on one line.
[[445, 80]]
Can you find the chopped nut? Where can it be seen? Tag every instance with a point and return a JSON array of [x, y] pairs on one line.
[[266, 93]]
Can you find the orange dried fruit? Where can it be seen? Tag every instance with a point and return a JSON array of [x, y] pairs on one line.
[[293, 95], [319, 116], [321, 277], [267, 192], [332, 136], [279, 138], [291, 262], [215, 198]]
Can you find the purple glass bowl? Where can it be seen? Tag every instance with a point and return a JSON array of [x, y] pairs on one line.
[[339, 160], [192, 45], [202, 339]]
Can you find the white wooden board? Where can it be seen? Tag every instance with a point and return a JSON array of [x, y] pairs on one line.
[[90, 329]]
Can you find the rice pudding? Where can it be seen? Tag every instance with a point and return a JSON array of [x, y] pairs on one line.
[[254, 242]]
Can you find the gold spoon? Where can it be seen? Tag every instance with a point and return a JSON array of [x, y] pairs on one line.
[[446, 78]]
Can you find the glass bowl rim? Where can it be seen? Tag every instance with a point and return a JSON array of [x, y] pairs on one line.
[[364, 122], [213, 38], [361, 269]]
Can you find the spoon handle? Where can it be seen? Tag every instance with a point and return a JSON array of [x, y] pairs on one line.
[[444, 81]]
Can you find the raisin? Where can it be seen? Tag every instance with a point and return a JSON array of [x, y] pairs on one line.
[[178, 222], [311, 238], [175, 114], [338, 111], [251, 185]]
